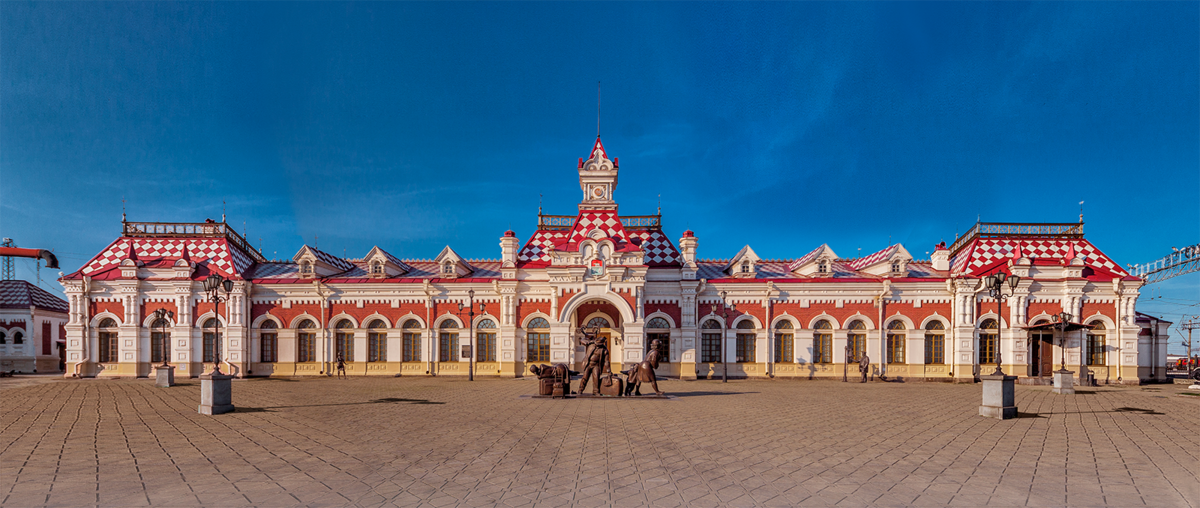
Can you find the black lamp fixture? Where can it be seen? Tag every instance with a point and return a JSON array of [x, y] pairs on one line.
[[995, 284], [213, 286]]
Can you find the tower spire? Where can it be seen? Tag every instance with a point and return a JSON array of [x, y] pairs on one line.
[[597, 110]]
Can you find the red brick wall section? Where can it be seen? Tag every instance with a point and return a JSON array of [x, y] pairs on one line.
[[584, 310], [1091, 308], [10, 324], [1037, 307], [148, 308], [441, 308], [202, 307], [46, 330], [62, 332], [116, 308], [670, 309], [524, 309]]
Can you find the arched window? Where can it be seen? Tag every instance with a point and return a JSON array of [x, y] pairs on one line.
[[856, 340], [377, 268], [895, 341], [377, 341], [18, 338], [822, 342], [212, 340], [159, 336], [344, 340], [896, 266], [658, 323], [412, 340], [784, 350], [935, 343], [710, 341], [598, 322], [448, 268], [537, 340], [306, 338], [988, 341], [659, 329], [1095, 343], [306, 269], [485, 341], [745, 267], [268, 342], [3, 338], [448, 341], [822, 267], [745, 341]]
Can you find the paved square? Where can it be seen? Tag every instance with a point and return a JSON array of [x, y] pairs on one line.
[[449, 442]]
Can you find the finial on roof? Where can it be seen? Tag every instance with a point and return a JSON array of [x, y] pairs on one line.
[[1081, 212], [122, 208], [597, 109]]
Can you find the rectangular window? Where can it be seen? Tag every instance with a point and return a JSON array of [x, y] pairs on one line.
[[745, 348], [935, 349], [783, 348], [710, 348], [895, 348], [987, 348], [211, 343], [108, 347], [538, 347], [156, 345], [1095, 349], [449, 347], [822, 348], [858, 346], [344, 346], [307, 350], [268, 348], [664, 345], [412, 347], [486, 344], [377, 347]]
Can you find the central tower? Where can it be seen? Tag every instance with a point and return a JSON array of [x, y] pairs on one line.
[[598, 180]]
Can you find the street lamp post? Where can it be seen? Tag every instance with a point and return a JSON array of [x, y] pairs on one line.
[[160, 316], [726, 308], [470, 331], [164, 375], [995, 284], [1063, 384], [213, 286]]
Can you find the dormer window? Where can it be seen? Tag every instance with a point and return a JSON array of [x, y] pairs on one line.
[[745, 268], [306, 269], [896, 265], [377, 269], [823, 267], [448, 268]]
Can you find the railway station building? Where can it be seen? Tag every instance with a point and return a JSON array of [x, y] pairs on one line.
[[809, 316]]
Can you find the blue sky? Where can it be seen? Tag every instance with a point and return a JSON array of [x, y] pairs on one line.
[[782, 125]]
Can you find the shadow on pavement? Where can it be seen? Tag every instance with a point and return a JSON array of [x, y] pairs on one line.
[[390, 400], [700, 394]]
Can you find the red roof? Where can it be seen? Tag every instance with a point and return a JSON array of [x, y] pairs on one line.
[[208, 253], [18, 294]]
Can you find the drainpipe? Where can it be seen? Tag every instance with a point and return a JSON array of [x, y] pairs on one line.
[[1117, 302]]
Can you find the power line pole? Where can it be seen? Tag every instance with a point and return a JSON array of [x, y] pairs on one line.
[[1192, 323]]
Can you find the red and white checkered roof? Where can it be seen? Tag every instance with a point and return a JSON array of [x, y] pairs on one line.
[[871, 259], [18, 294], [208, 252], [657, 249], [986, 252]]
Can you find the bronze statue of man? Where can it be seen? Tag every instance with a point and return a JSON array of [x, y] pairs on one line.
[[864, 366], [595, 360], [644, 372]]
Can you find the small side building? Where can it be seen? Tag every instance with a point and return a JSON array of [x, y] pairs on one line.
[[32, 328], [1153, 338]]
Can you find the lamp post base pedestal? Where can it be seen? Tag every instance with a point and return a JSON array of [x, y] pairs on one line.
[[164, 376], [216, 394], [1063, 382], [998, 397]]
